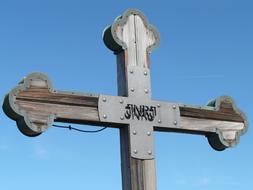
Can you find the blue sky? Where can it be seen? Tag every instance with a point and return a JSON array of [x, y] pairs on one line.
[[206, 51]]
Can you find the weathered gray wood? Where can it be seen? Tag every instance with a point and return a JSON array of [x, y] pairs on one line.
[[203, 126], [223, 114], [221, 122], [34, 105], [38, 101], [137, 174]]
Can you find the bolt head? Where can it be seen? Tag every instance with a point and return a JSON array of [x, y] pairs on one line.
[[145, 73], [175, 122], [134, 132], [159, 121], [174, 106], [135, 151], [132, 89], [148, 133], [121, 117], [158, 105], [104, 116], [104, 99], [149, 152], [146, 91], [121, 101]]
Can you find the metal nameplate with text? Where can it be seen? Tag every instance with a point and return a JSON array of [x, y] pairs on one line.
[[142, 115]]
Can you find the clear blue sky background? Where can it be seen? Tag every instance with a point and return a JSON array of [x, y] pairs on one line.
[[206, 51]]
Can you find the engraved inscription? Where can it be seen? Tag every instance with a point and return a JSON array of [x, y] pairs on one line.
[[141, 112]]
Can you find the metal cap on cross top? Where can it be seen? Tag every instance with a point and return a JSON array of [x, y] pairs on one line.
[[35, 105]]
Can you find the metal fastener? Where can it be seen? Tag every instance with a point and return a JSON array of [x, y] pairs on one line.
[[104, 99], [132, 89], [134, 132], [121, 101], [104, 116], [174, 106], [175, 122], [149, 152], [146, 91], [121, 117], [145, 73], [135, 151], [158, 105], [159, 121], [131, 71], [148, 133]]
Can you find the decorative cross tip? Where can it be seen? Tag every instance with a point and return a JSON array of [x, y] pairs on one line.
[[35, 105], [30, 121], [132, 28], [227, 137]]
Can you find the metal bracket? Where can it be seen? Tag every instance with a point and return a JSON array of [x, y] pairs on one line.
[[141, 115]]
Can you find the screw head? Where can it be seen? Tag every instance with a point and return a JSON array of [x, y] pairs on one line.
[[148, 133], [145, 73], [149, 152], [104, 116], [135, 151], [132, 89], [121, 101], [175, 122], [134, 132], [146, 91], [121, 117], [174, 106], [158, 105], [104, 99], [159, 121]]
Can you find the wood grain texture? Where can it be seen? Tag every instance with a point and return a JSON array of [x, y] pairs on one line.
[[38, 101], [35, 105], [222, 114], [65, 107], [193, 125], [137, 174]]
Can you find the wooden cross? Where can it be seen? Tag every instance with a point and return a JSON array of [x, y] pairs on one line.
[[34, 104]]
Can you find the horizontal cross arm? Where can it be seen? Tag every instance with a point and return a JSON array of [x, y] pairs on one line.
[[220, 121], [35, 105]]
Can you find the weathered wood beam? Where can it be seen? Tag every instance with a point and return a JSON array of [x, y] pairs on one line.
[[35, 105], [131, 38], [223, 114]]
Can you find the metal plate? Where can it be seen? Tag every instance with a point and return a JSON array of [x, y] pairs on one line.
[[138, 82], [141, 114]]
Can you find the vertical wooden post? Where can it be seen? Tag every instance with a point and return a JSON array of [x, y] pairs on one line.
[[137, 174], [131, 38]]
